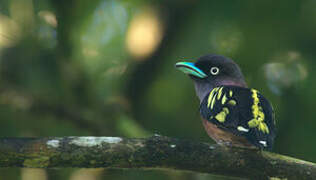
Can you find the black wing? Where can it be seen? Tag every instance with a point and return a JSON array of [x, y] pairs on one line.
[[241, 111]]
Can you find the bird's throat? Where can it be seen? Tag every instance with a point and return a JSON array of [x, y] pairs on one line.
[[203, 88]]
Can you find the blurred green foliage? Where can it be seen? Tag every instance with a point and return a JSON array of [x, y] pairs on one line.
[[106, 67]]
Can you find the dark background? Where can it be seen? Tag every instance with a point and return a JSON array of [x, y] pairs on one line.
[[106, 68]]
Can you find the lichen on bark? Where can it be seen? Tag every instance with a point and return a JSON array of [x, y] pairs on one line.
[[154, 152]]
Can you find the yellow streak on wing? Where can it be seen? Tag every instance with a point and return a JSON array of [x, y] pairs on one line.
[[231, 93], [253, 123], [263, 127], [258, 115], [226, 110], [213, 101], [219, 93], [224, 98], [232, 102], [210, 97], [221, 117], [255, 107], [261, 116]]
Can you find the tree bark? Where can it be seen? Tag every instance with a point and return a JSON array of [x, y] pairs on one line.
[[153, 152]]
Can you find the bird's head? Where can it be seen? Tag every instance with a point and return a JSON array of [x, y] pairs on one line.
[[211, 71]]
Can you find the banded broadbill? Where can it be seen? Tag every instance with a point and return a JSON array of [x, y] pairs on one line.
[[232, 113]]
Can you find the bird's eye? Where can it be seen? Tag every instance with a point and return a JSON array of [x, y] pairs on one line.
[[214, 70]]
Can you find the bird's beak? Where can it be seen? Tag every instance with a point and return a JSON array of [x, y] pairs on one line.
[[191, 69]]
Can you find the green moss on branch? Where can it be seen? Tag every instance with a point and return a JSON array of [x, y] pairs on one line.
[[154, 152]]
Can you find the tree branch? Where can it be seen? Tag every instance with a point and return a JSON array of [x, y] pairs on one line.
[[154, 152]]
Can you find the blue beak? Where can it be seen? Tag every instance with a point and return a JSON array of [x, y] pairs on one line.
[[191, 69]]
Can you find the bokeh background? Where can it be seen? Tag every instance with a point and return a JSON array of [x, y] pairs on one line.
[[106, 68]]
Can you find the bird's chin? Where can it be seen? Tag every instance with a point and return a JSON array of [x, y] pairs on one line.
[[231, 83], [219, 82], [194, 78]]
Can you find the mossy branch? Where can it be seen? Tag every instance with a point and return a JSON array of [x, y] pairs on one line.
[[153, 152]]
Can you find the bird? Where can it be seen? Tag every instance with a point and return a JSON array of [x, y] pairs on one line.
[[232, 114]]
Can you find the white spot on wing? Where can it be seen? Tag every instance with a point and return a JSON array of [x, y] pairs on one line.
[[172, 145], [264, 143], [90, 141], [53, 143], [240, 128]]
